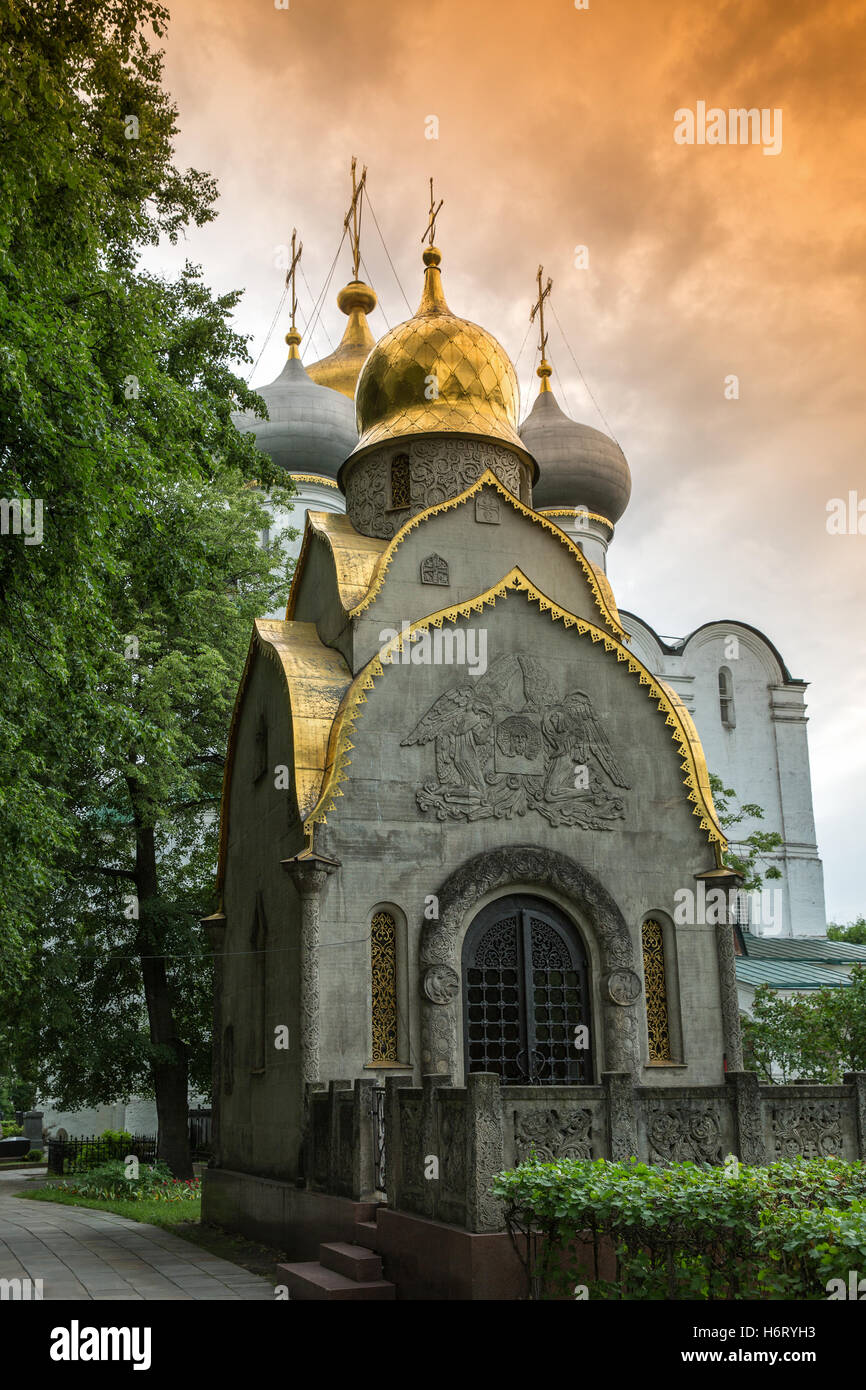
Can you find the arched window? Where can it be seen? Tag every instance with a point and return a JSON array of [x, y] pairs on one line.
[[655, 983], [400, 496], [726, 697], [383, 948]]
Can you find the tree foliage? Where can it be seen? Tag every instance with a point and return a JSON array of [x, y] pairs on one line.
[[116, 397], [817, 1036], [751, 850]]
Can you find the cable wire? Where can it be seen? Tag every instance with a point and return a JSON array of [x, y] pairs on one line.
[[583, 378], [387, 252]]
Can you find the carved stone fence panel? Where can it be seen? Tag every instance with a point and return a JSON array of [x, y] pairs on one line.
[[445, 1144], [340, 1139]]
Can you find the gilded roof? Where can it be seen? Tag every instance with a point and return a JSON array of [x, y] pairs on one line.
[[316, 679], [437, 373], [355, 557], [340, 369]]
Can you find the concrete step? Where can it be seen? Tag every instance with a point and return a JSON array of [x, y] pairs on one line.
[[355, 1261], [307, 1282], [366, 1233]]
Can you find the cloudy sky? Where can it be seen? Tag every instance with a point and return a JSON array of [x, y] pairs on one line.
[[555, 131]]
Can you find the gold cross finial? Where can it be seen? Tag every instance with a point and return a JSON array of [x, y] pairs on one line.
[[354, 215], [293, 337], [430, 229], [538, 308]]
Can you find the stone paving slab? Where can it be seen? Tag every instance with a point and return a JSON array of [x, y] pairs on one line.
[[87, 1255]]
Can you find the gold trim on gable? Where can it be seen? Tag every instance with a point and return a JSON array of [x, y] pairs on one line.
[[490, 478], [577, 511], [682, 730], [317, 679]]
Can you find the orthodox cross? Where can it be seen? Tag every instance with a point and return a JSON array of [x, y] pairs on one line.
[[290, 274], [354, 214], [538, 308], [430, 229]]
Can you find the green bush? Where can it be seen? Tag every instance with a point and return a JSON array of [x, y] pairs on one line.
[[690, 1232], [11, 1131], [34, 1154], [154, 1182]]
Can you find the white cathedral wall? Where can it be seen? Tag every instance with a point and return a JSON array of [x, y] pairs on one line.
[[764, 757]]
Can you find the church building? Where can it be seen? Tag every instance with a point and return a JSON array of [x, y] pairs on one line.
[[463, 795]]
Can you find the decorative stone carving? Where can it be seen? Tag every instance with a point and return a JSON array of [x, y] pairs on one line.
[[434, 570], [309, 877], [441, 984], [507, 743], [623, 986], [810, 1129], [441, 942], [440, 469], [621, 1116], [487, 509], [684, 1133], [552, 1134], [452, 1148]]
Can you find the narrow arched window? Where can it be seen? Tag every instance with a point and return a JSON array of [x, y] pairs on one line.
[[400, 481], [655, 984], [383, 948], [726, 697]]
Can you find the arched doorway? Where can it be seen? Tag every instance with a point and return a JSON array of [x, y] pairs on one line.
[[525, 992]]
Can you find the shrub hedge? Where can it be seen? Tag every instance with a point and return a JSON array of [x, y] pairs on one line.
[[685, 1231]]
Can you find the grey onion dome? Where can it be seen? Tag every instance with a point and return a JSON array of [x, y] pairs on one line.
[[310, 428], [580, 466]]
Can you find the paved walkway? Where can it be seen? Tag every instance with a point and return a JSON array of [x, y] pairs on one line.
[[83, 1254]]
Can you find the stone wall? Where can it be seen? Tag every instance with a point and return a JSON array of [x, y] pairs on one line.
[[445, 1144]]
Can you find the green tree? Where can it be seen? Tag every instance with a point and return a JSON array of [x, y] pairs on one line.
[[116, 397], [854, 932], [818, 1036], [752, 849]]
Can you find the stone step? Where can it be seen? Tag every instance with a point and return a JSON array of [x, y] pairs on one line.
[[366, 1233], [355, 1261], [307, 1282]]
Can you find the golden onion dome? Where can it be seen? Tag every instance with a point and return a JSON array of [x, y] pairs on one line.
[[340, 369], [437, 373]]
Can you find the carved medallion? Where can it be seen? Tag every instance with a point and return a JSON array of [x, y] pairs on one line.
[[434, 570], [487, 508], [507, 743], [623, 986], [441, 984]]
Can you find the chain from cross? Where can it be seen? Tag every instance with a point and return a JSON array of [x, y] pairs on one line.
[[354, 215], [290, 273], [538, 308], [430, 229]]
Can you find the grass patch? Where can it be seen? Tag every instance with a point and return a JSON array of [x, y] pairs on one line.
[[155, 1213]]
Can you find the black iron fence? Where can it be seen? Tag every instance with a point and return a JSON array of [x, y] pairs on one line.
[[73, 1155], [69, 1155]]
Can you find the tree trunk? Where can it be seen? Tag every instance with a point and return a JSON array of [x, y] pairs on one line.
[[170, 1068]]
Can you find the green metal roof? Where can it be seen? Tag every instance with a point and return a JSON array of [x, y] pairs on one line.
[[806, 948], [783, 974]]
